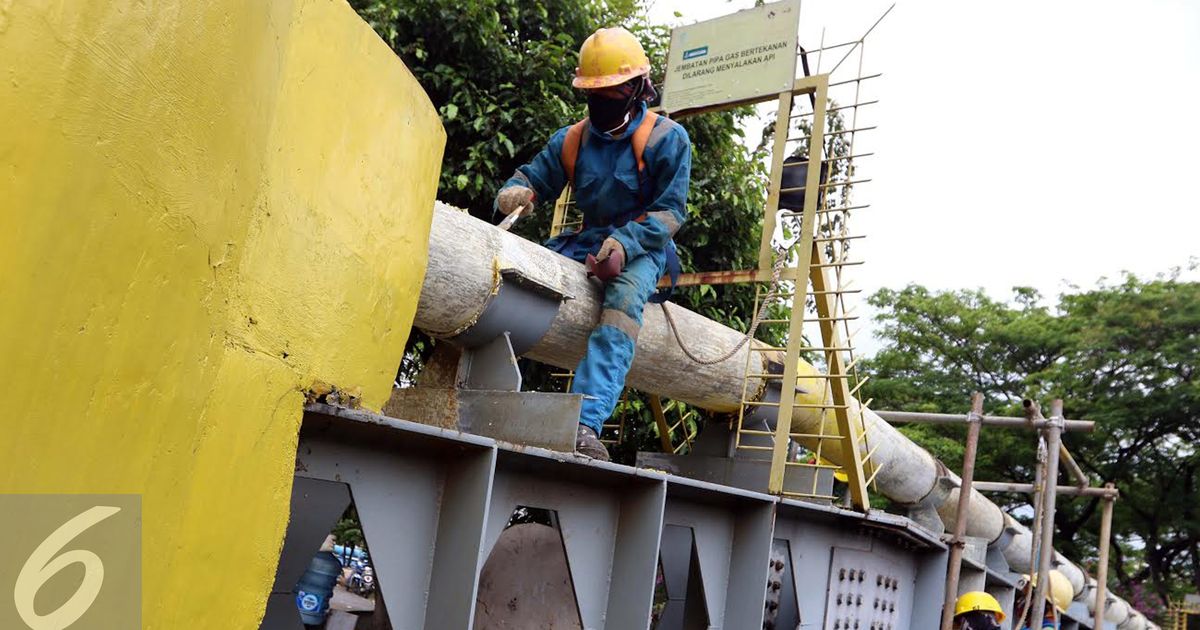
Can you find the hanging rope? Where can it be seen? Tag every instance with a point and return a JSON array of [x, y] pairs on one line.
[[781, 259]]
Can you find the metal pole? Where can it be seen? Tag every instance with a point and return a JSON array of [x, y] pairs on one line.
[[964, 498], [916, 417], [660, 419], [1050, 496], [1039, 477], [1072, 467], [1102, 569], [1029, 488]]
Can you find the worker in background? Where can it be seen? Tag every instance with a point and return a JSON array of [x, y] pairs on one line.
[[629, 169], [1058, 597], [977, 610]]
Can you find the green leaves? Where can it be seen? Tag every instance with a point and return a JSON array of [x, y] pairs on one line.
[[1123, 355], [503, 139], [499, 73]]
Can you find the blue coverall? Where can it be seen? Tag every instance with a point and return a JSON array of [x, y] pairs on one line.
[[607, 190]]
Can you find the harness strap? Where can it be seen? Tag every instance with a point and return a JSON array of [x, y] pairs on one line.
[[575, 138], [570, 148], [641, 136], [674, 269]]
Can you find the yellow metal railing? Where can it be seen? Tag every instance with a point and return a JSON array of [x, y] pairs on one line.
[[565, 214], [684, 424], [1178, 611], [818, 258]]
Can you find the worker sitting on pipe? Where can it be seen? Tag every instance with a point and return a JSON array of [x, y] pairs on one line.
[[629, 168], [977, 610]]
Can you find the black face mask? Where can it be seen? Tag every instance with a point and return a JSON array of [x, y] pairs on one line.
[[607, 114]]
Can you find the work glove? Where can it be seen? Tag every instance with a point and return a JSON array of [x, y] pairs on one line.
[[608, 262], [513, 198], [609, 248]]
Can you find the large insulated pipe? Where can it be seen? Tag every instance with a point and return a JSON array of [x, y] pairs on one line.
[[467, 256]]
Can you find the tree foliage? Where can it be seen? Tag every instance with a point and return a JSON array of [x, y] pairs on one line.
[[1122, 354], [498, 73]]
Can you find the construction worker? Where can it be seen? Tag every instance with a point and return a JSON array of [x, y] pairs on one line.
[[977, 610], [1058, 597], [629, 168]]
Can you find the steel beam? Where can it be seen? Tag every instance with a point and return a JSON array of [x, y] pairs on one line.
[[315, 508], [960, 522], [1029, 488], [914, 417], [1102, 562], [423, 504], [433, 502], [1053, 434]]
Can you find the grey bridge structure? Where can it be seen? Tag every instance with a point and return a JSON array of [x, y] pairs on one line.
[[434, 501], [437, 478]]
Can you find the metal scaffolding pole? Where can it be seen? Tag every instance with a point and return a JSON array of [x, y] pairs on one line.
[[1073, 469], [1030, 488], [1053, 433], [1102, 568], [916, 417], [1039, 484], [960, 522]]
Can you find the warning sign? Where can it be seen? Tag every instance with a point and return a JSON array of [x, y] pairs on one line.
[[734, 58]]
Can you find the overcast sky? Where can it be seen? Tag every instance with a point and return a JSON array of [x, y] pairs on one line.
[[1019, 143]]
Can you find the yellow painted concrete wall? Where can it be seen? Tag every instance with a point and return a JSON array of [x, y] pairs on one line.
[[205, 208]]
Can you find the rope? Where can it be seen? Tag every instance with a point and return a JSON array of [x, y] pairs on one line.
[[776, 272], [1035, 548]]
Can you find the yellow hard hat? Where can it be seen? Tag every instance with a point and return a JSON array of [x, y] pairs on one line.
[[978, 600], [608, 57], [1060, 592]]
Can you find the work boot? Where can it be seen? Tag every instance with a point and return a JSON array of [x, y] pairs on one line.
[[589, 444]]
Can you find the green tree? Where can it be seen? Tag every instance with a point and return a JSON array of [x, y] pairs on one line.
[[498, 72], [1122, 354]]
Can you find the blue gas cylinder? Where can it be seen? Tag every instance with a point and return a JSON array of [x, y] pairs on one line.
[[315, 587]]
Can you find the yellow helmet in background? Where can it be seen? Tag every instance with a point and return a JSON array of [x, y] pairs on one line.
[[1060, 592], [978, 600], [838, 473], [608, 57]]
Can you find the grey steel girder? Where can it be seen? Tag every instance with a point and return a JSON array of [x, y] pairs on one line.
[[434, 501]]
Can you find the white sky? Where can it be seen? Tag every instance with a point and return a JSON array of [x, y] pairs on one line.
[[1019, 143]]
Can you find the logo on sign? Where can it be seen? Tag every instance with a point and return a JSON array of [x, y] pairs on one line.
[[307, 601], [695, 52]]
